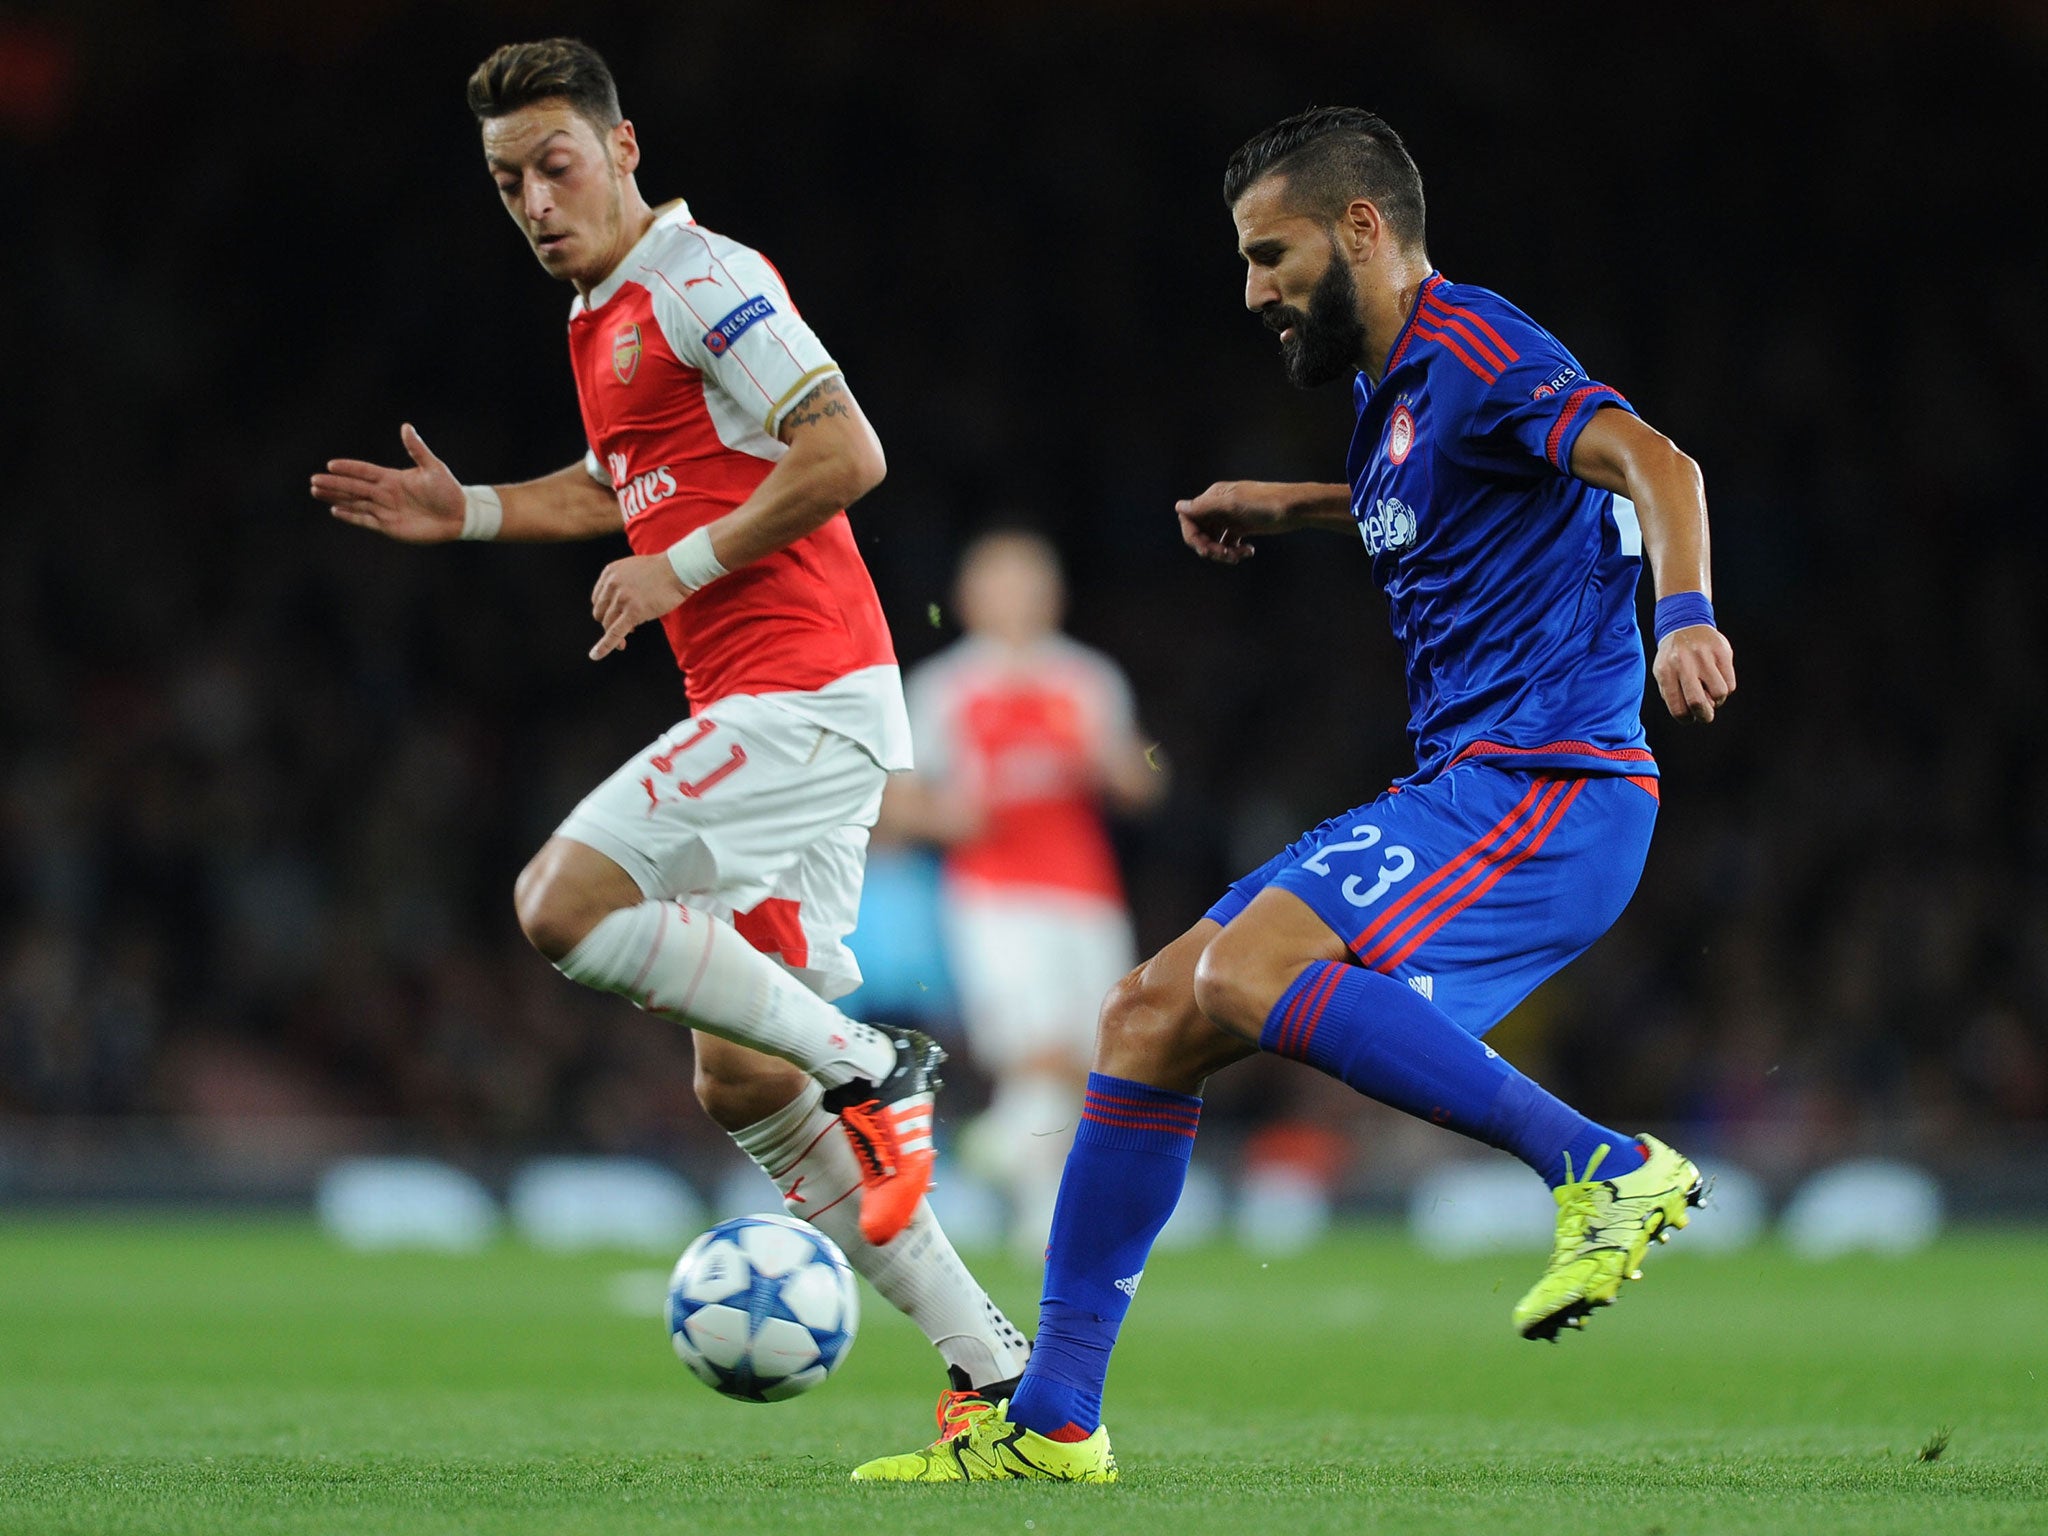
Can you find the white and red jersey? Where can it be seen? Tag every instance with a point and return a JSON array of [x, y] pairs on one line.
[[687, 358], [1026, 736]]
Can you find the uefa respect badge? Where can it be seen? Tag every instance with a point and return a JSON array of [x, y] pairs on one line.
[[719, 339]]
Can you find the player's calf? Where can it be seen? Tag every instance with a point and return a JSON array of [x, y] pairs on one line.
[[740, 1087]]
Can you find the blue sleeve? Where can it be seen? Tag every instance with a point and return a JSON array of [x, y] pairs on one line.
[[1534, 399]]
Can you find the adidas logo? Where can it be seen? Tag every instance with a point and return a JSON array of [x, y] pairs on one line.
[[1426, 985], [1129, 1284]]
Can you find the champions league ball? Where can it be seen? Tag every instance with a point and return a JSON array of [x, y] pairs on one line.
[[762, 1308]]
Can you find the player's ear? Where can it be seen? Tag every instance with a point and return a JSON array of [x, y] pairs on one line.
[[625, 148], [1360, 226]]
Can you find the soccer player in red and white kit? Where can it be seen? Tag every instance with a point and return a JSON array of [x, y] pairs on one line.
[[713, 877], [1024, 738]]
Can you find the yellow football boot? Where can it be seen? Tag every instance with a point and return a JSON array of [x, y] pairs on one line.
[[977, 1443], [1604, 1227]]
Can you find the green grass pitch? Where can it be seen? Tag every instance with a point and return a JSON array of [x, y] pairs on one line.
[[240, 1375]]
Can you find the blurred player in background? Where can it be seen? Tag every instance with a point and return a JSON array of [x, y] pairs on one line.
[[1024, 739], [1508, 502], [712, 879]]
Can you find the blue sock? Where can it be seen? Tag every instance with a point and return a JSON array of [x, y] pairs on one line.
[[1392, 1044], [1122, 1180]]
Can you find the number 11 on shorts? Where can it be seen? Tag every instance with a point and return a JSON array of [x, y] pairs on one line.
[[664, 764]]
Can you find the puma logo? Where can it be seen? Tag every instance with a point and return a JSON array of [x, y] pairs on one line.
[[691, 282]]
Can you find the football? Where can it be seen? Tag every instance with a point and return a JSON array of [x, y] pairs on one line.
[[762, 1308]]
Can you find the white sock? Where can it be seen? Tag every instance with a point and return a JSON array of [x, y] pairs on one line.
[[684, 964], [917, 1272], [1033, 1115]]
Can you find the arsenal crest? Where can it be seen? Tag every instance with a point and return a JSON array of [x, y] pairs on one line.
[[626, 353]]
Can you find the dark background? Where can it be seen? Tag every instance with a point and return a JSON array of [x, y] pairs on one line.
[[265, 780]]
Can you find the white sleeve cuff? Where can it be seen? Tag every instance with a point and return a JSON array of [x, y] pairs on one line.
[[691, 558]]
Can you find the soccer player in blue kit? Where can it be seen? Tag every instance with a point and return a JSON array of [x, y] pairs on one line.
[[1507, 501]]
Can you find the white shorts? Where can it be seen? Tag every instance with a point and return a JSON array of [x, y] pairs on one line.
[[756, 815], [1033, 967]]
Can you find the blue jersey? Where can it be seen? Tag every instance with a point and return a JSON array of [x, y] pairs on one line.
[[1511, 585]]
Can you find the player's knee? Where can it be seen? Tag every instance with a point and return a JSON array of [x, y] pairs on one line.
[[1144, 1028], [739, 1091], [1232, 986], [1126, 1014], [553, 914]]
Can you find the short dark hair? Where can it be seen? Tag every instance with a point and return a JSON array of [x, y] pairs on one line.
[[519, 74], [1329, 156]]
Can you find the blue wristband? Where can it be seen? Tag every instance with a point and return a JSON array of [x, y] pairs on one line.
[[1680, 611]]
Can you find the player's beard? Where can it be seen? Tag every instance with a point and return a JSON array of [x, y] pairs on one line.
[[607, 244], [601, 241], [1329, 339]]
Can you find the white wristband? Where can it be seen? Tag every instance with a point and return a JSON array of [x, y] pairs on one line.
[[691, 558], [483, 514]]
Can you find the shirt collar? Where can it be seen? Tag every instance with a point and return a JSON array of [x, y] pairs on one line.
[[667, 216], [1365, 385]]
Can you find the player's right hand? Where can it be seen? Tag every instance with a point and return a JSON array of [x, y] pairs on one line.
[[1695, 672], [421, 505], [1220, 523]]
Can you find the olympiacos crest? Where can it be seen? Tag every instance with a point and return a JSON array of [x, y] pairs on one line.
[[1400, 434]]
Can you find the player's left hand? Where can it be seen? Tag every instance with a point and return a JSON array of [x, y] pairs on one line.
[[629, 592], [1695, 671]]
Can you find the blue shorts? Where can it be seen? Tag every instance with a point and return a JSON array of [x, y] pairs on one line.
[[1472, 888]]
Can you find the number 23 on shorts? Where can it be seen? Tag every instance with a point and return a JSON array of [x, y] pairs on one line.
[[1397, 864]]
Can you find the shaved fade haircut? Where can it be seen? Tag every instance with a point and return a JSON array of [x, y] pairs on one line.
[[519, 74], [1330, 156]]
